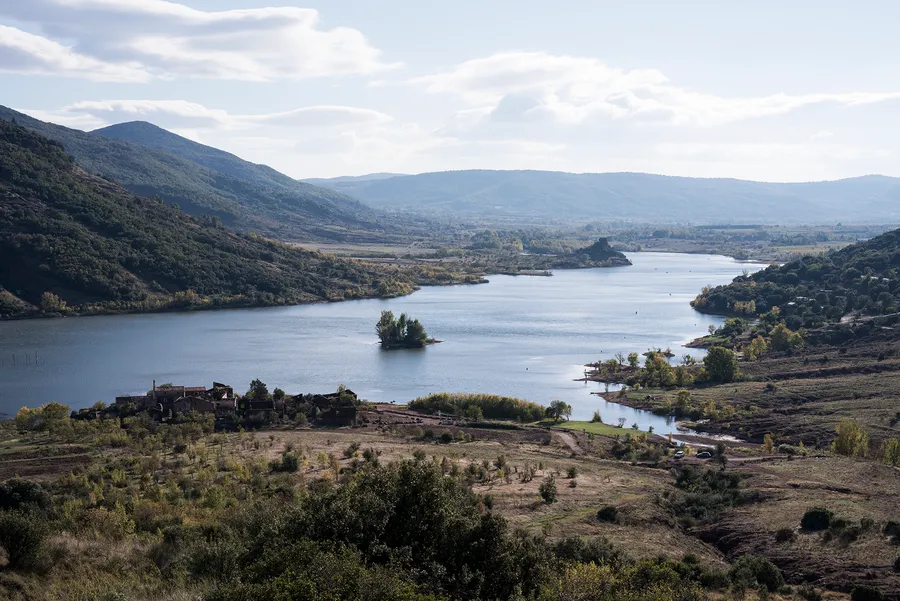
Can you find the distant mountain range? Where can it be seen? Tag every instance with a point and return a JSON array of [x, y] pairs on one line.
[[632, 196], [71, 236], [201, 180]]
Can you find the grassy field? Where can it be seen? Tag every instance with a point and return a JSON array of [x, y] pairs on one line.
[[598, 428]]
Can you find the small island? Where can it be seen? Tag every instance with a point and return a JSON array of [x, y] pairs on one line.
[[598, 254], [401, 332]]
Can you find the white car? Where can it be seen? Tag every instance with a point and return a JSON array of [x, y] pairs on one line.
[[679, 454]]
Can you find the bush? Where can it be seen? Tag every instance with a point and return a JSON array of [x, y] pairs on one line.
[[784, 535], [892, 529], [809, 593], [752, 570], [352, 449], [289, 463], [572, 472], [608, 514], [23, 494], [578, 550], [865, 592], [897, 564], [816, 519], [547, 490], [22, 536]]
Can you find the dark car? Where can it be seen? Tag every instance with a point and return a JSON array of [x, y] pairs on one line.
[[704, 455]]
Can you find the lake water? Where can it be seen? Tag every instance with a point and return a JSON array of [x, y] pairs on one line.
[[519, 336]]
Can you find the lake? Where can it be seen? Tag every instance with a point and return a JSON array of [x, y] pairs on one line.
[[519, 336]]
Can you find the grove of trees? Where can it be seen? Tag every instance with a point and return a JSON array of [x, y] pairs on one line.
[[400, 331]]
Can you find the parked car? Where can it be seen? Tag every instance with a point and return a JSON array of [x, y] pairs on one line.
[[679, 454], [704, 455]]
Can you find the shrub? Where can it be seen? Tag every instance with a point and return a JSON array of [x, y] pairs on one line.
[[892, 529], [23, 494], [784, 535], [371, 455], [609, 514], [751, 570], [809, 593], [572, 472], [22, 536], [579, 550], [897, 564], [816, 519], [446, 438], [351, 450], [865, 592], [547, 490], [289, 463]]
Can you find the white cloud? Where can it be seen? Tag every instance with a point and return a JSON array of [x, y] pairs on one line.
[[133, 40], [535, 86], [29, 53], [193, 116]]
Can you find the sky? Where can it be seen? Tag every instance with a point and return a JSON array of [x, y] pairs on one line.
[[766, 90]]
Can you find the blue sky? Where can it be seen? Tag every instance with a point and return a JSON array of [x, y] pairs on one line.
[[778, 91]]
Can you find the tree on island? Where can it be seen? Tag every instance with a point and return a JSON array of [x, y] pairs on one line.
[[401, 331]]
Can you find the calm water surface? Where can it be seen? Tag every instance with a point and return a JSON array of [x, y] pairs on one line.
[[521, 336]]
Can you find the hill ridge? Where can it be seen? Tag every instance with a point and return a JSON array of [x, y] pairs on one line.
[[289, 211], [73, 240], [630, 196]]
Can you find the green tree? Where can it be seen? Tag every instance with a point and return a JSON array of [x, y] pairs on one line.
[[415, 332], [547, 490], [721, 364], [780, 338], [633, 359], [400, 331], [22, 536], [851, 440], [755, 349], [50, 303], [258, 391], [890, 451], [559, 410]]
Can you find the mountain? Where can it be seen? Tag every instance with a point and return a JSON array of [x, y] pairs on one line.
[[148, 135], [201, 180], [634, 196], [99, 247], [857, 286], [349, 180]]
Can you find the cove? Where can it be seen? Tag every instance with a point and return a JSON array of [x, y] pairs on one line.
[[527, 337]]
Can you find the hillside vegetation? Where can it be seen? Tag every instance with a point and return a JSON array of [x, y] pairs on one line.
[[634, 196], [857, 285], [204, 181], [70, 240]]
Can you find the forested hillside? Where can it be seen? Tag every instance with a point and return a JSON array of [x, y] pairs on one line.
[[856, 283], [71, 240], [245, 197], [634, 196]]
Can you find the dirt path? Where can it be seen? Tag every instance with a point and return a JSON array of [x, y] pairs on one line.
[[570, 442]]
